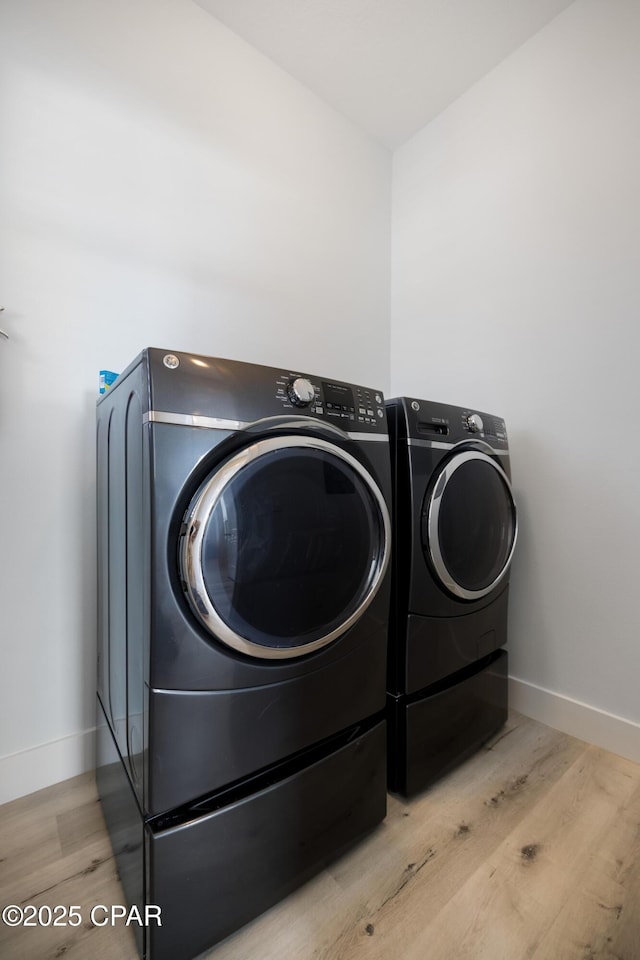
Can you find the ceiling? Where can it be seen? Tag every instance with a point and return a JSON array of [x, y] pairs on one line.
[[390, 66]]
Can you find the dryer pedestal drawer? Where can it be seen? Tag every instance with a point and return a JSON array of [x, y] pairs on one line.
[[213, 867], [213, 874], [430, 735]]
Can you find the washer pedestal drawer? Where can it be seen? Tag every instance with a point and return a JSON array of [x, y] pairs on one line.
[[433, 732]]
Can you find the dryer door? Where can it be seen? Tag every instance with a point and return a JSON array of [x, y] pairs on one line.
[[469, 525], [284, 547]]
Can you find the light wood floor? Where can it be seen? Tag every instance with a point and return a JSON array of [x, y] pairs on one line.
[[529, 850]]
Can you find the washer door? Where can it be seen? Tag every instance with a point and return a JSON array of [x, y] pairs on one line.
[[469, 525], [285, 546]]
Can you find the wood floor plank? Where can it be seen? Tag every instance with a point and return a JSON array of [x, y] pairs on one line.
[[501, 910], [79, 826], [601, 916], [29, 829]]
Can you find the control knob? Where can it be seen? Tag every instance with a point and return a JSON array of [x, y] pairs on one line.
[[300, 392], [474, 423]]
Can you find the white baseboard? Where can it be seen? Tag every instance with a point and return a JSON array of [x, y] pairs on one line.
[[28, 770], [576, 718]]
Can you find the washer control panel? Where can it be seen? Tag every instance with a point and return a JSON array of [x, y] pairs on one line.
[[197, 386], [352, 408]]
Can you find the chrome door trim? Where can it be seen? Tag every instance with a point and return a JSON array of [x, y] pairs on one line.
[[433, 516], [376, 437], [193, 420], [442, 445], [220, 423], [196, 525], [432, 444]]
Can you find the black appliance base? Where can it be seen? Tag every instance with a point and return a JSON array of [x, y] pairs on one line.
[[214, 871], [434, 730], [437, 647]]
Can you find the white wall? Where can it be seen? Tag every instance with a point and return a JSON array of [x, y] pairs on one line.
[[516, 288], [162, 184]]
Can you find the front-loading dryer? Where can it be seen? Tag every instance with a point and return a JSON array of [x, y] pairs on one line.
[[455, 529], [243, 543]]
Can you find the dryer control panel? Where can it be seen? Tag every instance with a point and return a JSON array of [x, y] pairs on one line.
[[195, 386]]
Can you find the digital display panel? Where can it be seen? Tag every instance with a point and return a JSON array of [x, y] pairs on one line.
[[338, 395]]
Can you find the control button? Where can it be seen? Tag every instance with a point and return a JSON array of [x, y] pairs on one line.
[[369, 413], [474, 423], [319, 410], [361, 410], [378, 398], [360, 419], [301, 392], [380, 413]]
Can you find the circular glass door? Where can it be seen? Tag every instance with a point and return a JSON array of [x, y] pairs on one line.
[[469, 525], [285, 546]]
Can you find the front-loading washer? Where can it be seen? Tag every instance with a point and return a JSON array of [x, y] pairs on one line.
[[243, 547], [455, 528]]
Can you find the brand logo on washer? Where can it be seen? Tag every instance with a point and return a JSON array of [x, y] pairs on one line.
[[171, 361]]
